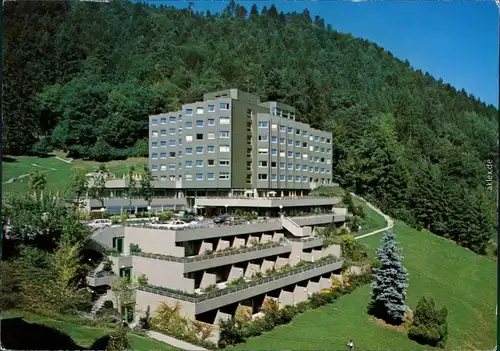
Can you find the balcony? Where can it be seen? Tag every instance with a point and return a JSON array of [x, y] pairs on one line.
[[211, 230], [100, 279], [307, 243], [319, 219], [223, 297], [203, 262], [242, 201], [294, 228]]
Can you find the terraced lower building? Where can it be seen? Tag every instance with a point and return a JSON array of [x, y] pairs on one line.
[[210, 270]]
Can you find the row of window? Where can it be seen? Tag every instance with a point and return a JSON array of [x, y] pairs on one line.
[[291, 130], [223, 106], [197, 176], [222, 134], [189, 151], [189, 124], [291, 166]]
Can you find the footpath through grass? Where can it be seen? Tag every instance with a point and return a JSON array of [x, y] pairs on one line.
[[460, 280], [58, 172], [82, 335]]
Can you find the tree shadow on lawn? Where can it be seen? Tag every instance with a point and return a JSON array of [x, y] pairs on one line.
[[17, 334], [8, 159]]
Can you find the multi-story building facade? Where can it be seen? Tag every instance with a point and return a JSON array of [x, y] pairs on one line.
[[229, 143], [210, 270]]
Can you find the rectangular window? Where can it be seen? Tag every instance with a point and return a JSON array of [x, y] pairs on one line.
[[262, 164], [199, 110], [322, 139], [179, 142], [274, 139], [290, 154], [199, 163], [274, 126], [163, 167], [297, 155], [199, 176], [154, 156], [328, 151], [171, 166], [304, 144], [211, 163], [274, 152], [189, 151], [171, 131], [223, 162], [163, 143], [282, 129], [189, 164], [154, 133], [224, 106], [262, 176], [163, 132], [154, 122], [273, 177], [316, 138], [282, 165], [210, 136], [199, 123], [311, 148], [210, 176], [171, 143], [211, 108], [297, 131], [210, 148], [171, 154], [189, 124], [290, 142], [282, 141], [224, 148], [305, 133], [163, 155], [263, 151], [224, 175], [305, 156], [282, 177], [163, 120], [263, 138], [290, 166], [273, 164], [282, 153], [199, 136], [297, 178], [297, 166], [304, 168], [172, 119], [154, 168], [316, 148], [154, 144], [297, 143], [290, 130], [263, 124], [289, 178], [199, 149], [189, 112], [189, 176], [224, 120], [224, 134], [211, 122]]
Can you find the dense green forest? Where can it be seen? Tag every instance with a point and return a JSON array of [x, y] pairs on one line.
[[83, 77]]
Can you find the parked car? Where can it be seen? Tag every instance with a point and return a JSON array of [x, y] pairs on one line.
[[175, 224], [225, 218], [188, 218], [100, 223]]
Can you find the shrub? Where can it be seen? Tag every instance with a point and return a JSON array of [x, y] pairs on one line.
[[116, 219], [429, 324], [318, 300], [142, 279], [288, 313], [108, 265], [107, 304], [134, 248], [230, 333], [145, 321], [166, 216], [302, 306]]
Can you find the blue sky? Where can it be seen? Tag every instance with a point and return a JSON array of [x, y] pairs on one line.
[[455, 41]]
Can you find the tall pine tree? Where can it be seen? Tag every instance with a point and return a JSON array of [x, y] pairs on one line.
[[390, 281]]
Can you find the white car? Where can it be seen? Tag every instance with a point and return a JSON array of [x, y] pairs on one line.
[[100, 224], [174, 224]]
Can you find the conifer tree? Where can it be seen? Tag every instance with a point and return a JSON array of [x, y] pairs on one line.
[[390, 280]]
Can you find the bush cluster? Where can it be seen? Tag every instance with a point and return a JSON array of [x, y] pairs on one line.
[[234, 332], [429, 325]]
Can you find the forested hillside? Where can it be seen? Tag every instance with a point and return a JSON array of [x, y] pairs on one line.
[[86, 76]]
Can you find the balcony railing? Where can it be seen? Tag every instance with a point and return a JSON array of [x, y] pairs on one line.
[[201, 226], [179, 295], [266, 197], [205, 257]]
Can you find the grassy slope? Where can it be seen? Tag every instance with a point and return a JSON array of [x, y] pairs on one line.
[[372, 221], [85, 335], [61, 177], [457, 278]]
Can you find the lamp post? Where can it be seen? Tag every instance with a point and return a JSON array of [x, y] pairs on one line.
[[225, 207], [102, 212], [281, 210], [149, 213], [195, 208]]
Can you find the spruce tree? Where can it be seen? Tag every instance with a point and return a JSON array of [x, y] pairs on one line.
[[389, 284]]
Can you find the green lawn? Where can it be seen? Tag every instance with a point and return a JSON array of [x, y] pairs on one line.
[[58, 172], [372, 221], [457, 278], [86, 335]]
